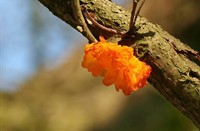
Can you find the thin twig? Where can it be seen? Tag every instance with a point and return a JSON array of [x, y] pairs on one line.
[[81, 21], [133, 14], [138, 11], [99, 25]]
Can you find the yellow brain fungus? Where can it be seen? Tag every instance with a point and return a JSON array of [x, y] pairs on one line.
[[117, 65]]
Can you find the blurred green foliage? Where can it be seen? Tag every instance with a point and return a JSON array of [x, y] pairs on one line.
[[70, 99]]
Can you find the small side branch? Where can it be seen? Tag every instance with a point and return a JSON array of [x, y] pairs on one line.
[[131, 25], [83, 28], [99, 25], [134, 15]]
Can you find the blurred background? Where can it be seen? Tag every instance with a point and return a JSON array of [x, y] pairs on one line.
[[44, 88]]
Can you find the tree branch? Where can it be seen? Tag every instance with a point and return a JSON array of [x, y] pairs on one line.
[[175, 74]]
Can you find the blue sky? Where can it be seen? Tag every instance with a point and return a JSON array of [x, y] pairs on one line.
[[21, 37]]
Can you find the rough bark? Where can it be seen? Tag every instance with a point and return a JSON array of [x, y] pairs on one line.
[[176, 74]]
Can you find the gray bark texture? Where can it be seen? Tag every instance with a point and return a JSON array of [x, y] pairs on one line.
[[175, 72]]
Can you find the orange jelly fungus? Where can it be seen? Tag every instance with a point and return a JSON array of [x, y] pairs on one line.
[[117, 65]]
